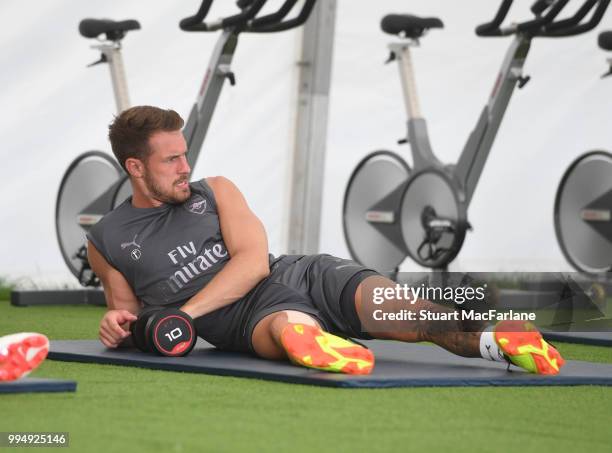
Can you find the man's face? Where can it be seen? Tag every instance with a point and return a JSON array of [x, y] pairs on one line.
[[166, 171]]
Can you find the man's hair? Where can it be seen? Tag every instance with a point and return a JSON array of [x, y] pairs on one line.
[[129, 133]]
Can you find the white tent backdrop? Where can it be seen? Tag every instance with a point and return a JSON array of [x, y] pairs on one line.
[[54, 108], [561, 112]]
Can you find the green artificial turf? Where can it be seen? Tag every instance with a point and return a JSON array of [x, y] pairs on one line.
[[5, 288], [133, 410]]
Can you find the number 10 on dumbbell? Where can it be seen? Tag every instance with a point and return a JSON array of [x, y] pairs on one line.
[[168, 332]]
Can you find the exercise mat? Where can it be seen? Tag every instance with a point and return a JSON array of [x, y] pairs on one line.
[[32, 384], [397, 365], [590, 338]]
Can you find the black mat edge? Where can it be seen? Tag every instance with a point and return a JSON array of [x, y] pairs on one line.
[[576, 338], [37, 385]]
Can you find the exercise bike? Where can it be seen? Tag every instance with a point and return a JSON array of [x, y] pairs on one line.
[[583, 204], [94, 183], [392, 210]]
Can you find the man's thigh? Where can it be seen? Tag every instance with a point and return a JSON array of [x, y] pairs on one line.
[[324, 278], [271, 299]]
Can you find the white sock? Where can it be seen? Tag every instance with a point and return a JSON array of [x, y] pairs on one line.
[[488, 347]]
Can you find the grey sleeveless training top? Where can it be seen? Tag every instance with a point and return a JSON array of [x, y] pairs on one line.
[[168, 253]]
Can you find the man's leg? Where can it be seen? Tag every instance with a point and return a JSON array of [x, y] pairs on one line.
[[519, 342], [298, 337], [450, 334]]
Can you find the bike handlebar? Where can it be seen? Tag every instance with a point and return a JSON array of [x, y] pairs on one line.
[[604, 40], [278, 16], [298, 20], [540, 6], [572, 26], [544, 25], [492, 28], [195, 22], [246, 21], [543, 20], [575, 19]]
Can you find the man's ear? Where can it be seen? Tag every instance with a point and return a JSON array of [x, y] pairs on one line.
[[135, 167]]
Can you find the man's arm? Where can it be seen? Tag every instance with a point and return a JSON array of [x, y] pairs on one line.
[[247, 244], [123, 306]]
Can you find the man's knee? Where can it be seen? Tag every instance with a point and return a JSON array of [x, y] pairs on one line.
[[285, 317], [371, 285], [299, 317], [373, 311], [267, 333], [365, 295]]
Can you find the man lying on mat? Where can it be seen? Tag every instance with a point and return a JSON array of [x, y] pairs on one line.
[[198, 247]]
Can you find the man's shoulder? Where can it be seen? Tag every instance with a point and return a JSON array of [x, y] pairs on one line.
[[216, 182], [111, 219], [201, 192]]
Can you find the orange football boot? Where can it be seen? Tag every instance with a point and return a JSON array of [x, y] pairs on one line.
[[524, 346], [314, 348], [20, 353]]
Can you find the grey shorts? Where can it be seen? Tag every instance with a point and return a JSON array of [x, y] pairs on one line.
[[311, 284]]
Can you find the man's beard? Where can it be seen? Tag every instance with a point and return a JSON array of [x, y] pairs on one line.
[[167, 197]]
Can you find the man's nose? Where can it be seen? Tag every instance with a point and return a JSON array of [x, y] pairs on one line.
[[184, 168]]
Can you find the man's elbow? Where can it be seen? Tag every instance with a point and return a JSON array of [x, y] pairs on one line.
[[258, 266], [264, 269]]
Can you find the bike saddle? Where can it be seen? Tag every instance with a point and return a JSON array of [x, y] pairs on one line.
[[115, 31], [605, 40], [414, 27]]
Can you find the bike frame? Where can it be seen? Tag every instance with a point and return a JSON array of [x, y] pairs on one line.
[[111, 51], [218, 69], [424, 214], [476, 150]]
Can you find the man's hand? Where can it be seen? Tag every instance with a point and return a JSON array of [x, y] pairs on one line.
[[111, 332]]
